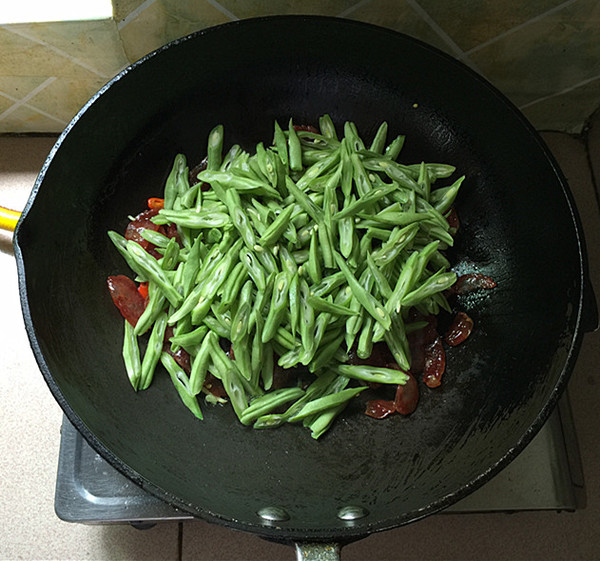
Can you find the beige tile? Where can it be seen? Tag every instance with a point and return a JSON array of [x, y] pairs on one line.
[[161, 23], [94, 44], [64, 97], [472, 22], [122, 8], [547, 56], [27, 120], [252, 8], [19, 86], [5, 103], [399, 16], [567, 112], [22, 56]]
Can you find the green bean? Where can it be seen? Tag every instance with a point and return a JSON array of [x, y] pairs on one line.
[[366, 299], [323, 305], [365, 201], [442, 199], [241, 319], [375, 374], [328, 284], [398, 240], [230, 158], [275, 230], [361, 179], [268, 402], [156, 238], [308, 249], [153, 351], [327, 127], [438, 282], [131, 356], [304, 200], [295, 148], [326, 353], [190, 218], [326, 402], [307, 319], [170, 258], [181, 383], [279, 303], [154, 306], [254, 268], [151, 270], [281, 144], [393, 149], [378, 143], [240, 183], [226, 370], [266, 164], [210, 287], [199, 368], [397, 342], [294, 301], [171, 189], [314, 259], [191, 338], [381, 281]]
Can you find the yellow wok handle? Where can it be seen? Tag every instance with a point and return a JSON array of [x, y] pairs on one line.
[[8, 219]]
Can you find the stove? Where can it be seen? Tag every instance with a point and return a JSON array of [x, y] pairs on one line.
[[547, 475]]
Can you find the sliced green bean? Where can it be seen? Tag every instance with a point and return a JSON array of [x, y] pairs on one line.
[[181, 383], [153, 351], [268, 402], [131, 356], [376, 374], [150, 268]]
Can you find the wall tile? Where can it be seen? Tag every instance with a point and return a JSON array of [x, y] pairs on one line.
[[26, 120], [543, 54], [253, 8], [567, 112], [547, 56], [19, 86], [472, 22], [399, 16], [64, 97], [23, 56], [163, 21]]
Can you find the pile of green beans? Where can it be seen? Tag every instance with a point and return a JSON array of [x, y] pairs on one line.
[[298, 254]]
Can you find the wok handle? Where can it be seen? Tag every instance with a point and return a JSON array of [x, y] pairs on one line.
[[318, 552], [8, 219]]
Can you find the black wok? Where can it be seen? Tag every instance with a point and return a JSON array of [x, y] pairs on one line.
[[519, 225]]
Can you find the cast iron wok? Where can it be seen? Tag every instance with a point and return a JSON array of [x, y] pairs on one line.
[[518, 225]]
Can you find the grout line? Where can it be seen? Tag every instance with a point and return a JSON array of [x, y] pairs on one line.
[[556, 94], [21, 33], [134, 13], [520, 26], [222, 9], [23, 102], [351, 9], [458, 52]]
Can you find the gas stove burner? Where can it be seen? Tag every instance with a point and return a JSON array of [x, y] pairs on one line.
[[547, 475]]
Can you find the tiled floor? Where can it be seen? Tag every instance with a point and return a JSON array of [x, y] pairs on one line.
[[30, 422]]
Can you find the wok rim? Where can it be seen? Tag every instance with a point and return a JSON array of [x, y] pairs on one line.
[[353, 531]]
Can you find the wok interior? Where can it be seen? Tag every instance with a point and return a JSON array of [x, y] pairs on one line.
[[516, 225]]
